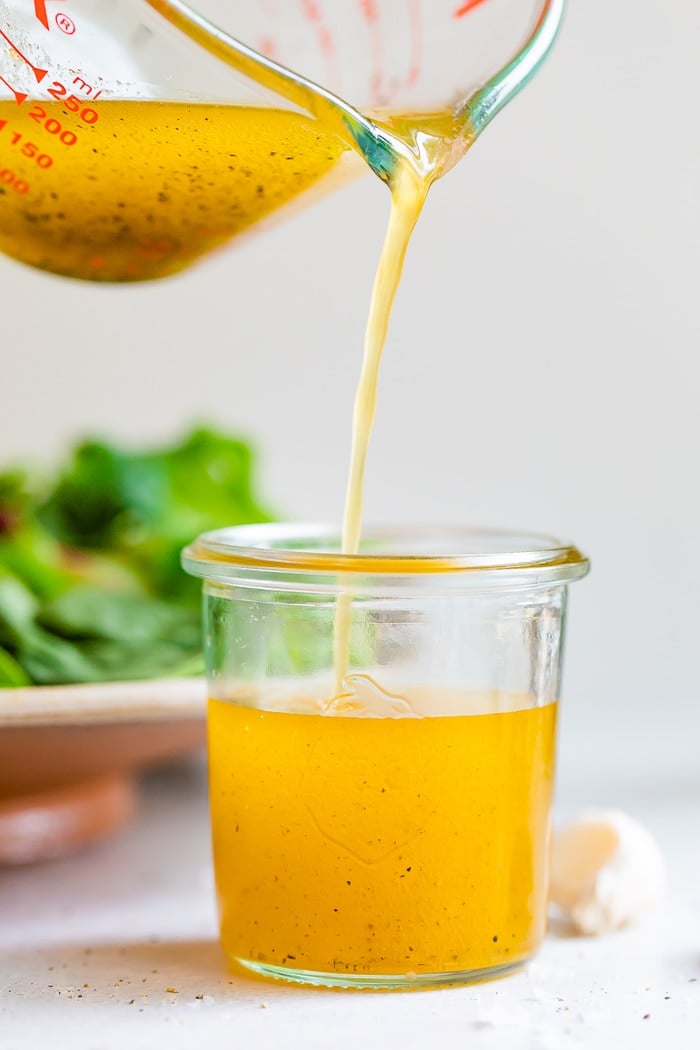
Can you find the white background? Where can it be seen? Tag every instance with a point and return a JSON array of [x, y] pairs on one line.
[[540, 373]]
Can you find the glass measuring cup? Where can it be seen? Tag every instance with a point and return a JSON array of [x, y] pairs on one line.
[[126, 153]]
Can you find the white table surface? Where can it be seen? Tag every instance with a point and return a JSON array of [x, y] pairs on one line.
[[117, 949]]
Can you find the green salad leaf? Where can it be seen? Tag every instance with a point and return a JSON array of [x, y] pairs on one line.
[[91, 587]]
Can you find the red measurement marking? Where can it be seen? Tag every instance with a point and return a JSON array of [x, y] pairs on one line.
[[313, 12], [325, 37], [155, 246], [267, 46], [326, 40], [9, 178], [369, 10], [414, 70], [371, 15], [40, 12], [466, 8], [39, 73], [20, 96]]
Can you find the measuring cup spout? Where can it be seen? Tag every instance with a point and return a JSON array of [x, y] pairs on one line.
[[379, 147]]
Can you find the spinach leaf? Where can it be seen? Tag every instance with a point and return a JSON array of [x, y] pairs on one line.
[[18, 607], [54, 661], [88, 612], [91, 587], [147, 506], [12, 674]]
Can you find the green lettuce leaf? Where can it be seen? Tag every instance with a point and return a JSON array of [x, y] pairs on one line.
[[91, 587]]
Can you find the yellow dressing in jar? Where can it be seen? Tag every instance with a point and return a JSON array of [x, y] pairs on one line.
[[361, 846]]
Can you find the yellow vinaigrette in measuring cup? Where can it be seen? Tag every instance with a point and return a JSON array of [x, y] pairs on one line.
[[127, 152], [150, 186]]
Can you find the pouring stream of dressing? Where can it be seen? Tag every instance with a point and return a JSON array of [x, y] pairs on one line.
[[409, 188]]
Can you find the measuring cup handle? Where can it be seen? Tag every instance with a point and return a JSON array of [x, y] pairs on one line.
[[490, 99]]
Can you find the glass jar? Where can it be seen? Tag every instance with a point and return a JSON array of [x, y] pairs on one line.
[[381, 748]]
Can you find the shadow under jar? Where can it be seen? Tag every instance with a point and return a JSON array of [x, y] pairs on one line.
[[381, 748]]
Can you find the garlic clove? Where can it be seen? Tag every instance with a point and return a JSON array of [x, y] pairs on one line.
[[606, 871]]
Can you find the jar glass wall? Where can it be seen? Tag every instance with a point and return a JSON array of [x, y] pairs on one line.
[[381, 746]]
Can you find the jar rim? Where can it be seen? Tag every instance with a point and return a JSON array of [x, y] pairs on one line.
[[477, 556]]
